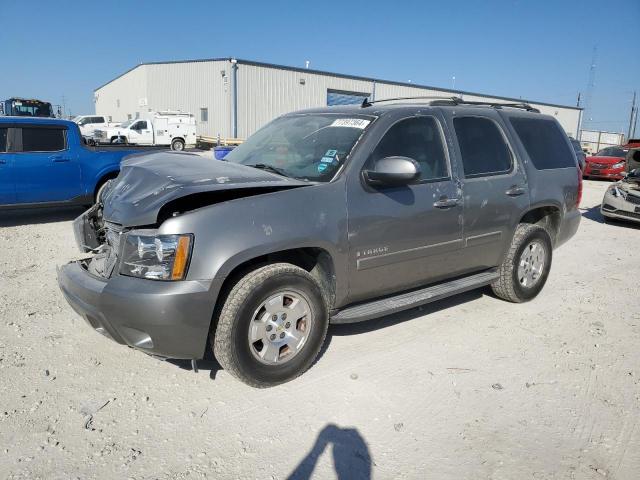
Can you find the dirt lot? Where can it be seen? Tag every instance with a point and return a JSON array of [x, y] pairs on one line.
[[470, 387]]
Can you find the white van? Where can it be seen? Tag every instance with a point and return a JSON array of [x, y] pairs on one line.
[[155, 128]]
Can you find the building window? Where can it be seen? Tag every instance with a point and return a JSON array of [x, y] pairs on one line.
[[110, 119], [118, 103], [128, 116], [204, 114], [137, 114], [340, 97]]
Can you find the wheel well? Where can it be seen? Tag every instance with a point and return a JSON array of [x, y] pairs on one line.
[[547, 217], [316, 261], [105, 178], [178, 138]]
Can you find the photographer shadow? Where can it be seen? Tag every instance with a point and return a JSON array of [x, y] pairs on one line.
[[351, 458]]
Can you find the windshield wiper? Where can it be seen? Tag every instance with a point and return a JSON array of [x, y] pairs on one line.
[[269, 168]]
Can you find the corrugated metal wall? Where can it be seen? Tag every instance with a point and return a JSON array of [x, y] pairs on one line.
[[264, 93], [122, 97], [191, 86]]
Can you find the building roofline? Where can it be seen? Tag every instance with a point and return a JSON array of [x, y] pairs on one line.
[[347, 76]]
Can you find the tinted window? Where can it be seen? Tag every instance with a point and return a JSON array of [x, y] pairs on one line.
[[545, 143], [42, 139], [418, 138], [482, 147], [3, 139], [98, 119], [612, 152], [139, 126]]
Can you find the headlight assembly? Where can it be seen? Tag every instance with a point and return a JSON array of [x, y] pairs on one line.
[[156, 257], [617, 165]]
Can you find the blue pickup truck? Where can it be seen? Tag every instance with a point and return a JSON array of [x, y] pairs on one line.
[[45, 162]]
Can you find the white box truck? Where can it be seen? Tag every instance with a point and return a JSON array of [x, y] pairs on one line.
[[175, 129]]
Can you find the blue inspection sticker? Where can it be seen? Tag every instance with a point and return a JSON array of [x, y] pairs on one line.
[[322, 167], [331, 153], [327, 159]]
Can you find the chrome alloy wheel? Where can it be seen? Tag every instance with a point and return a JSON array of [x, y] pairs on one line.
[[280, 327], [532, 262]]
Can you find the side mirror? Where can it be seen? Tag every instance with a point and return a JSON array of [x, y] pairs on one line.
[[393, 171]]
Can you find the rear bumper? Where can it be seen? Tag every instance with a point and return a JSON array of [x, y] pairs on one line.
[[568, 227], [167, 319]]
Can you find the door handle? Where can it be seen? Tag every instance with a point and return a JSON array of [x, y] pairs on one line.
[[446, 202], [515, 190], [59, 158]]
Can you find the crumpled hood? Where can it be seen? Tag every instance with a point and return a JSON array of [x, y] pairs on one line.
[[148, 181]]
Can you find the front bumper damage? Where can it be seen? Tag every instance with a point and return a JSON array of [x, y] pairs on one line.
[[165, 319], [615, 205]]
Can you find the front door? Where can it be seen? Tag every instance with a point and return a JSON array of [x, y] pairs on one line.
[[7, 187], [45, 170], [402, 237], [140, 133]]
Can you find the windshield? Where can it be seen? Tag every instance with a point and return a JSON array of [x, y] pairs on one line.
[[306, 146], [25, 108], [127, 123], [612, 152]]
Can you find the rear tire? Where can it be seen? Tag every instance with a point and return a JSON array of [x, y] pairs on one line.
[[177, 145], [525, 269], [254, 341]]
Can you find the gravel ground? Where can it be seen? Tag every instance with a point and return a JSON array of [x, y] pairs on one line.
[[469, 387]]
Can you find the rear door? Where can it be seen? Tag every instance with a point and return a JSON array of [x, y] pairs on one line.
[[494, 187], [45, 169], [7, 187]]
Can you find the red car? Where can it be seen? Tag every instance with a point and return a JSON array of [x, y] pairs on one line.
[[607, 163]]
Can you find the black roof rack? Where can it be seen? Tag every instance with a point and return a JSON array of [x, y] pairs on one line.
[[459, 101], [367, 103], [446, 101]]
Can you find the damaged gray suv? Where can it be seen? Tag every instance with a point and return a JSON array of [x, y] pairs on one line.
[[331, 215]]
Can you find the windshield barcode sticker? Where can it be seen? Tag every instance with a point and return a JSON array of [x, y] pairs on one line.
[[351, 123]]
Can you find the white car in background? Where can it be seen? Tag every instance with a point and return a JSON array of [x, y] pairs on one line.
[[90, 123], [622, 199], [175, 129]]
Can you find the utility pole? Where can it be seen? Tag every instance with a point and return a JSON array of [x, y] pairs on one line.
[[632, 117], [590, 86]]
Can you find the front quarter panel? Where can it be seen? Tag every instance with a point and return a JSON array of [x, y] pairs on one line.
[[231, 233]]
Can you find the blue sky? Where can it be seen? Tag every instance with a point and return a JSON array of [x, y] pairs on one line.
[[539, 50]]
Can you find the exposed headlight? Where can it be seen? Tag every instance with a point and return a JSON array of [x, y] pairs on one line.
[[618, 165], [156, 257], [617, 192]]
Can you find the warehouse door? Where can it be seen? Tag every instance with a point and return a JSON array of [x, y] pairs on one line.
[[340, 97]]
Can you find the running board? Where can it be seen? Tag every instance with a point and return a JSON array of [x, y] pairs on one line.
[[404, 301]]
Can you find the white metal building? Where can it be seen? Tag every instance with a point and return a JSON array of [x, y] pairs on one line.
[[233, 98]]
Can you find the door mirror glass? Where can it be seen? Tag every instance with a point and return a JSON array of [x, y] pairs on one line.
[[393, 171]]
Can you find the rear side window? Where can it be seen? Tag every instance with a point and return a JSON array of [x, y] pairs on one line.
[[545, 143], [43, 139], [3, 140], [417, 138], [482, 147]]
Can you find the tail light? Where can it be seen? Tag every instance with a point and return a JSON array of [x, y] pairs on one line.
[[579, 196]]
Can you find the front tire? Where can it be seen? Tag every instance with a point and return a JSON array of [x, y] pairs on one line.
[[271, 326], [525, 269]]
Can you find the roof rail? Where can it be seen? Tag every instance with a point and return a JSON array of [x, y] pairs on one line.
[[367, 103], [460, 101], [444, 101]]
